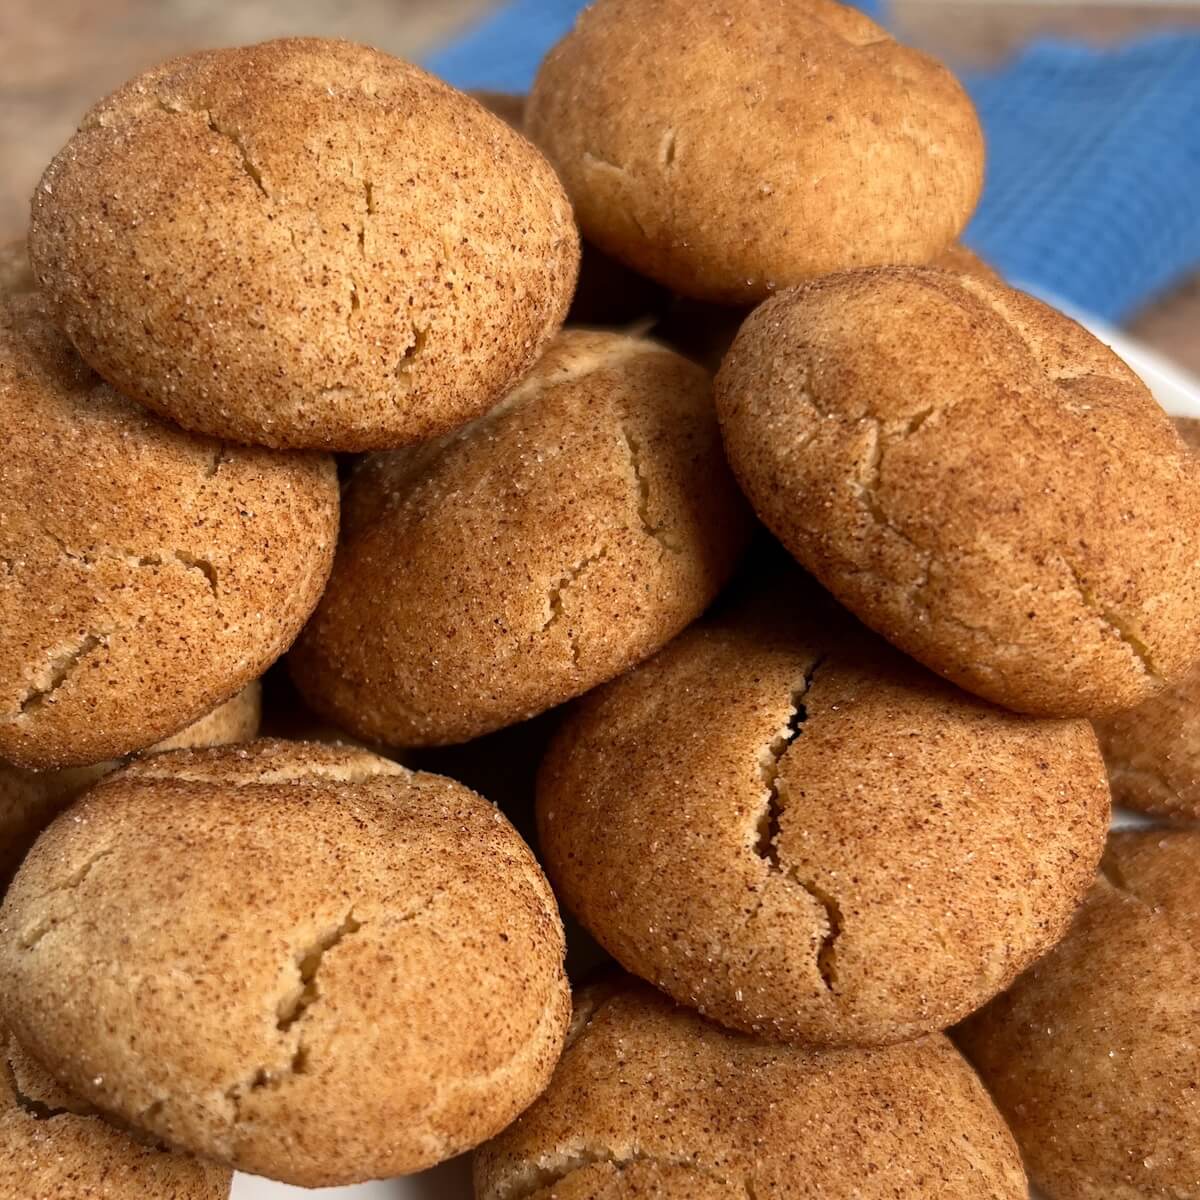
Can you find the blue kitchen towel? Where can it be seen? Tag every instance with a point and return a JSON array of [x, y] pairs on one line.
[[1093, 188]]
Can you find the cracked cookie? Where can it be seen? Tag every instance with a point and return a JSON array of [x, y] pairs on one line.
[[54, 1147], [792, 828], [305, 243], [522, 560], [1092, 1054], [1153, 750], [651, 1100], [977, 478], [773, 144], [961, 260], [330, 968], [146, 574], [30, 800], [705, 332]]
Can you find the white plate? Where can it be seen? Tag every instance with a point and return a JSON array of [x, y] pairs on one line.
[[1175, 391]]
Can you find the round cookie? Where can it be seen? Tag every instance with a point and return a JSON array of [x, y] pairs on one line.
[[1153, 750], [16, 273], [1092, 1054], [788, 826], [30, 800], [54, 1147], [146, 574], [963, 261], [770, 144], [650, 1100], [348, 971], [563, 537], [304, 243], [705, 332], [976, 477]]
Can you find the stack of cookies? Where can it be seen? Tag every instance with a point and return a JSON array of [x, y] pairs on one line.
[[810, 683]]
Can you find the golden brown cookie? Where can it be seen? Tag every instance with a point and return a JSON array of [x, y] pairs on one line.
[[16, 274], [521, 561], [304, 243], [1153, 750], [706, 331], [30, 800], [649, 1100], [728, 150], [976, 477], [146, 574], [304, 961], [54, 1147], [1092, 1054], [962, 261], [787, 825]]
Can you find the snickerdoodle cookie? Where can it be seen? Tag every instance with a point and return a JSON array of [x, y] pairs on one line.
[[54, 1147], [976, 477], [566, 535], [784, 823], [1153, 750], [770, 144], [304, 243], [30, 800], [650, 1100], [146, 574], [1092, 1054], [303, 961], [705, 332], [963, 261]]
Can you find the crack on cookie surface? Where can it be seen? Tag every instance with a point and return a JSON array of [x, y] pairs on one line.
[[409, 356], [417, 462], [1114, 620], [33, 934], [600, 163], [139, 559], [885, 436], [659, 533], [308, 965], [552, 1169], [667, 149], [55, 674], [30, 1105], [554, 598], [159, 768], [769, 826], [232, 136]]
